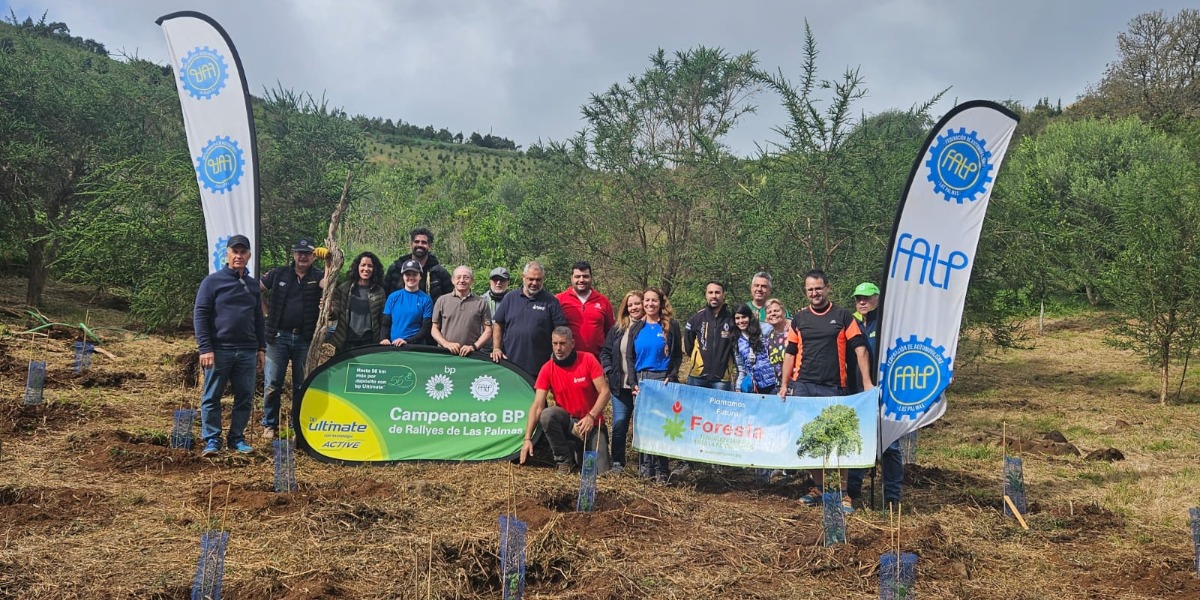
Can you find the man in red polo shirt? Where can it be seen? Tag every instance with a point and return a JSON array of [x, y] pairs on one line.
[[576, 421], [589, 313]]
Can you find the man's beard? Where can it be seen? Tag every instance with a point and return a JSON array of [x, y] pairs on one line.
[[420, 252]]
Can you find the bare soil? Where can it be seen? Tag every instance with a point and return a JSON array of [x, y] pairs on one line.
[[95, 504]]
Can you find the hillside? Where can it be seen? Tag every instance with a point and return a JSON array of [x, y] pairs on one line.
[[93, 504], [427, 156]]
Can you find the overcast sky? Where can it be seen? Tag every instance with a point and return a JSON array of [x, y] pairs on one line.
[[522, 69]]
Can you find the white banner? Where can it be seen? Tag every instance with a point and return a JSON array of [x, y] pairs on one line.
[[929, 265], [220, 130]]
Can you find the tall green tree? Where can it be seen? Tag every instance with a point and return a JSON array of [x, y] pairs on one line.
[[1153, 278], [305, 149], [65, 112], [657, 141]]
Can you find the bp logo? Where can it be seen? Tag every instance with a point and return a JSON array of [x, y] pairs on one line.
[[915, 374], [203, 73], [219, 252], [959, 166], [439, 387], [220, 165]]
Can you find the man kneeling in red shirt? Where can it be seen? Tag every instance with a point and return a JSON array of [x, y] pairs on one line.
[[575, 422]]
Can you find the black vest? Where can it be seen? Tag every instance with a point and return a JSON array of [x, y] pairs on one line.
[[311, 289]]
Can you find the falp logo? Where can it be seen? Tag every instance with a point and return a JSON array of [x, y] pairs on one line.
[[221, 164], [203, 73], [960, 166]]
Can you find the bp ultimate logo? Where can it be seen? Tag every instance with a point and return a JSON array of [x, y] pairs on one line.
[[959, 166], [203, 73], [915, 374], [220, 165]]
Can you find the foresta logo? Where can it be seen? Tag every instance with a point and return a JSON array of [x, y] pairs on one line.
[[673, 427]]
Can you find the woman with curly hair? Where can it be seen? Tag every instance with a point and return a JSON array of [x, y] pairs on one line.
[[358, 305]]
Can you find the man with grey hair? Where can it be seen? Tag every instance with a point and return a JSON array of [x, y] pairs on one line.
[[462, 321], [523, 322], [761, 287]]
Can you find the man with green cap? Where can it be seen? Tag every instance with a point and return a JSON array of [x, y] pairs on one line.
[[866, 303]]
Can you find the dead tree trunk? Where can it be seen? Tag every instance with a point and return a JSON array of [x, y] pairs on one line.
[[333, 264]]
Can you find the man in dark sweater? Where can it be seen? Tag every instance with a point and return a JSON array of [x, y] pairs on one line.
[[435, 279], [294, 303], [230, 335]]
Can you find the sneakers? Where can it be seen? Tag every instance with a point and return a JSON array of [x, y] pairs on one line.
[[616, 468], [212, 448], [269, 433], [812, 497], [564, 468], [645, 472], [681, 468], [243, 448], [847, 505]]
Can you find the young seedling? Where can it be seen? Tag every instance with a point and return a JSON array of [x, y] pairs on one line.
[[181, 430], [512, 557], [833, 520], [35, 382]]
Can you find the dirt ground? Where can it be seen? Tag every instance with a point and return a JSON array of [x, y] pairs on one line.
[[95, 504]]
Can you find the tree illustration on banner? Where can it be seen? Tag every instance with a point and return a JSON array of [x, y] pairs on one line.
[[833, 433]]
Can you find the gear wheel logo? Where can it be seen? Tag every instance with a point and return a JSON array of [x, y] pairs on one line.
[[219, 252], [203, 72], [439, 387], [485, 388], [959, 166], [915, 374], [220, 165]]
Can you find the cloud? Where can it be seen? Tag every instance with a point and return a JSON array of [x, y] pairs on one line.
[[522, 69]]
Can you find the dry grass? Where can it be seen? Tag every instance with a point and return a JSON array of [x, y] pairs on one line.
[[92, 503]]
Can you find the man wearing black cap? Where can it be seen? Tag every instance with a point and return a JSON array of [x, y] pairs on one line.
[[435, 279], [293, 305], [229, 334]]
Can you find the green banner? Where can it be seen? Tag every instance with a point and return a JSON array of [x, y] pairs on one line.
[[382, 404]]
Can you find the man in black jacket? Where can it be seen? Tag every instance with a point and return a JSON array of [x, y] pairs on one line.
[[435, 279], [293, 305]]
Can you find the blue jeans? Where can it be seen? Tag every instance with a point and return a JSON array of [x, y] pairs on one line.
[[892, 470], [231, 366], [286, 347], [622, 407], [708, 383]]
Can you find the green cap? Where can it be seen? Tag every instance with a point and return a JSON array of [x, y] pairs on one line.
[[866, 289]]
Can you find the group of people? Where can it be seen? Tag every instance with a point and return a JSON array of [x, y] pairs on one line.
[[581, 350]]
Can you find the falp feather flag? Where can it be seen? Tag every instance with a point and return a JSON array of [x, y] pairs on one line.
[[931, 255], [220, 129]]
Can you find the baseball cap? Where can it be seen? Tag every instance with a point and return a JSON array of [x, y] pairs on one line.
[[499, 273], [303, 245], [238, 240], [866, 289], [410, 266]]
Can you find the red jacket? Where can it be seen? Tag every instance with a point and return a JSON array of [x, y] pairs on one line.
[[590, 321]]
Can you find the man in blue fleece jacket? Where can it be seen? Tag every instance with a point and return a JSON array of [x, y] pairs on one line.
[[232, 340]]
